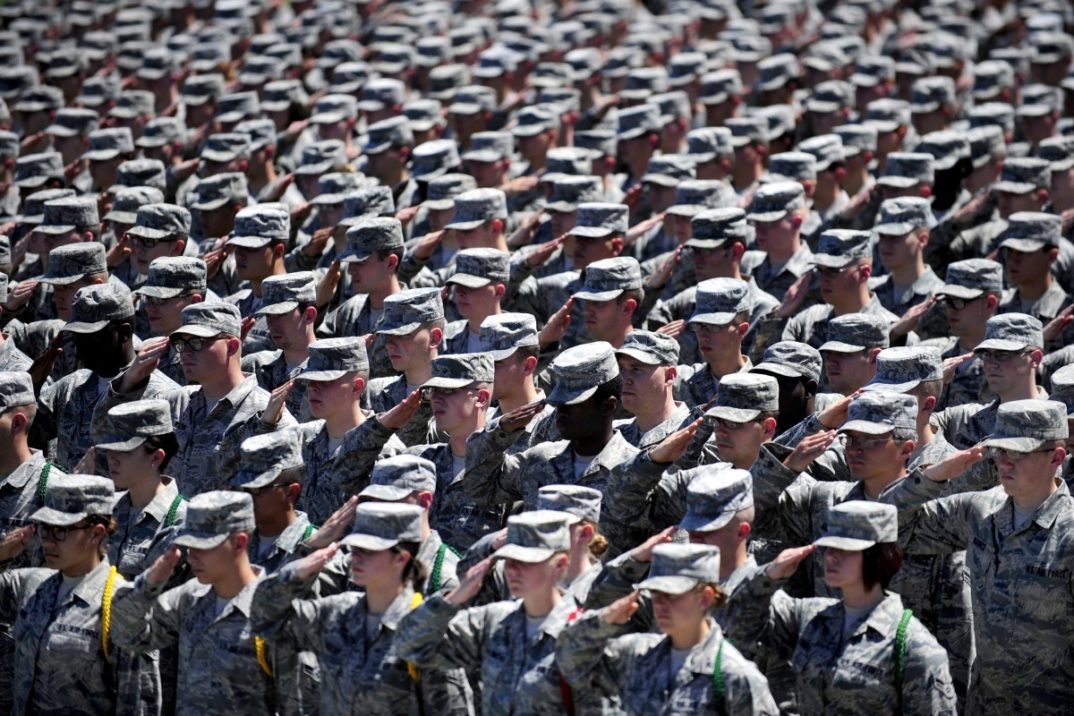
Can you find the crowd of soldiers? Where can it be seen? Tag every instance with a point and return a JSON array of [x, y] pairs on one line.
[[526, 357]]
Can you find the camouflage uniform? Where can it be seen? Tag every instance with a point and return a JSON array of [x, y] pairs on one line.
[[143, 537]]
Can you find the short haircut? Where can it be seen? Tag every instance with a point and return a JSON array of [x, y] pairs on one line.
[[880, 563]]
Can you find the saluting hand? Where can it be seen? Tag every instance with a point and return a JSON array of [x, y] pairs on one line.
[[557, 325], [159, 572], [808, 450], [470, 584], [14, 541], [950, 365], [674, 446], [621, 610], [399, 415], [786, 562], [335, 527], [314, 562], [276, 402], [519, 418], [144, 364], [954, 465], [644, 551]]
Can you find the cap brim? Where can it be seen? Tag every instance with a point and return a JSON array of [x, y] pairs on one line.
[[276, 309], [447, 383], [100, 155], [705, 243], [249, 242], [567, 396], [1024, 245], [84, 327], [669, 584], [840, 347], [1014, 187], [640, 356], [898, 182], [716, 319], [519, 553], [321, 375], [369, 542], [779, 369], [402, 330], [591, 232], [55, 229], [704, 523], [999, 344], [891, 387], [50, 516], [121, 217], [211, 155], [598, 295], [1018, 444], [194, 541], [956, 291], [735, 415], [160, 291], [195, 331], [829, 261], [122, 445], [60, 280], [848, 544], [469, 280], [766, 217], [894, 229], [464, 225], [146, 232], [388, 493], [866, 426], [438, 204]]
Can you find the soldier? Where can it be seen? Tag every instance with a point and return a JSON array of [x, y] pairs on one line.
[[160, 230], [903, 227], [11, 358], [854, 342], [84, 669], [260, 240], [647, 365], [1015, 537], [478, 220], [777, 213], [1029, 249], [831, 641], [479, 284], [796, 367], [172, 285], [610, 295], [690, 667], [971, 296]]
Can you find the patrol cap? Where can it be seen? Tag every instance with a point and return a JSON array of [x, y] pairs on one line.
[[33, 170], [224, 147], [370, 234], [903, 170], [678, 568], [878, 412], [714, 497], [71, 213], [650, 348], [442, 190], [838, 248], [569, 191], [638, 120], [213, 516], [73, 122], [259, 225], [929, 94], [504, 333], [669, 169], [475, 268], [70, 499], [129, 424], [160, 221], [106, 144], [972, 278], [424, 114], [747, 130], [566, 161], [382, 525], [871, 70], [904, 368], [434, 158], [321, 157], [578, 371], [1058, 152], [1011, 332], [743, 397], [598, 142], [990, 78], [887, 114], [332, 188], [796, 166], [220, 189], [791, 359], [1062, 388], [210, 318], [387, 133], [284, 293], [853, 332], [1029, 231], [141, 172], [712, 228], [368, 200], [490, 147], [707, 143], [397, 477], [237, 106], [536, 536], [608, 278], [171, 276], [474, 208], [857, 525], [776, 71], [16, 390], [71, 262], [692, 196], [535, 119], [1021, 175], [946, 148], [332, 358], [266, 457], [94, 307], [260, 133], [772, 201], [856, 138], [34, 206], [598, 220], [901, 215], [719, 300], [9, 142], [577, 502], [406, 311], [1027, 425], [202, 88], [826, 148], [459, 370]]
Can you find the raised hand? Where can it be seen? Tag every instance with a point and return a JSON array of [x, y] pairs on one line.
[[910, 319], [399, 415], [21, 294], [662, 275], [519, 418], [954, 465], [1055, 327], [213, 261], [335, 527], [314, 562], [786, 562], [950, 365], [14, 541], [556, 326], [405, 216], [673, 329], [277, 400], [315, 246], [144, 364], [795, 296], [326, 287], [159, 572], [674, 446], [808, 450], [119, 253], [835, 414], [248, 324], [427, 244], [621, 610], [41, 368], [88, 464], [644, 551], [544, 251], [469, 585]]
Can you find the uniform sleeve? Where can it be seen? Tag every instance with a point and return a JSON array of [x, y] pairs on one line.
[[764, 612], [747, 690], [278, 611], [361, 448], [493, 477], [929, 524], [926, 686], [587, 652], [438, 635], [143, 619]]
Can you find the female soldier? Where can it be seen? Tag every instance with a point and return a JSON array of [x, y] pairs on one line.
[[352, 633], [691, 669], [139, 445], [860, 654], [65, 660], [511, 642]]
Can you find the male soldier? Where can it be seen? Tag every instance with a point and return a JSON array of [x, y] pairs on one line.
[[222, 663], [478, 220], [217, 409], [389, 143], [160, 230], [749, 139], [1028, 249], [647, 365], [778, 212], [710, 148], [289, 307], [903, 232], [610, 295], [260, 239], [172, 285], [796, 366], [11, 358], [1016, 536], [854, 341], [479, 283], [970, 296]]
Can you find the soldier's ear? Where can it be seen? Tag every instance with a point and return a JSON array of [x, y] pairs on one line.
[[358, 385]]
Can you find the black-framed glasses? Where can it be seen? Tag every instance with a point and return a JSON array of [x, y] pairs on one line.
[[996, 453], [194, 343], [430, 393], [958, 303], [58, 534], [993, 356], [832, 270]]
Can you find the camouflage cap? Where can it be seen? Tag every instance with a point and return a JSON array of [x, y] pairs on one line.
[[160, 131], [213, 516], [237, 106], [459, 370], [535, 119], [129, 424], [16, 390], [73, 122], [637, 121], [707, 143], [1022, 175], [853, 332], [224, 147], [856, 525], [1058, 152], [838, 248], [397, 477], [830, 96], [133, 103], [712, 228], [269, 458], [284, 293], [826, 148], [566, 161], [335, 186], [406, 311], [607, 279], [678, 568], [504, 333], [332, 358], [70, 499], [33, 170], [434, 158], [220, 189], [992, 114], [719, 86], [366, 201], [171, 276], [161, 221], [1028, 425], [793, 166], [598, 142], [856, 138], [946, 148], [536, 536], [928, 94], [569, 191], [904, 368], [743, 397], [878, 412], [106, 144], [72, 262], [141, 172], [747, 130], [322, 157], [476, 268], [668, 170], [1029, 231], [773, 201], [1012, 332], [332, 108], [34, 206], [202, 88], [776, 71], [577, 502], [791, 359], [9, 143], [370, 234], [442, 190], [903, 170], [94, 307], [473, 99], [597, 220], [490, 147], [650, 348], [62, 216], [1062, 388], [714, 497], [901, 215], [972, 278], [388, 133], [692, 196], [259, 225], [719, 300], [474, 208], [382, 525], [990, 78], [209, 319], [578, 371]]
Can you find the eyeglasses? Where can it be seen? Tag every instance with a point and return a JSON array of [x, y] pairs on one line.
[[833, 271], [148, 242], [959, 303], [995, 453], [196, 345], [430, 393], [860, 443], [58, 534], [998, 356], [715, 423], [709, 328]]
